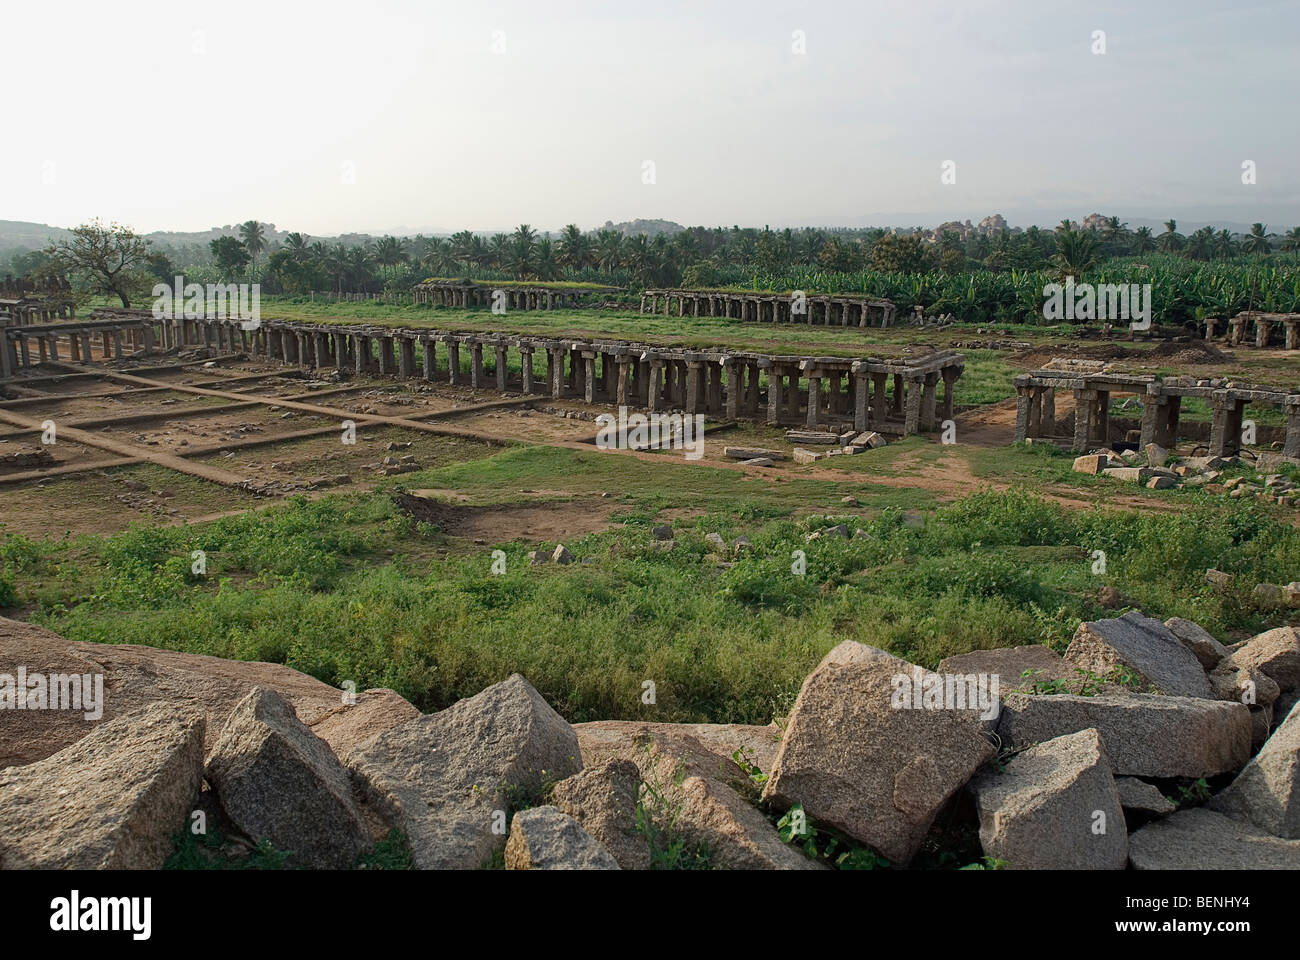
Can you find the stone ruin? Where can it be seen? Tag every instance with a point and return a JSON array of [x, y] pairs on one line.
[[827, 310], [806, 390], [1264, 324], [1161, 399], [457, 293]]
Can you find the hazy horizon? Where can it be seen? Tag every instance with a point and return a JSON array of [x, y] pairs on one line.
[[439, 131]]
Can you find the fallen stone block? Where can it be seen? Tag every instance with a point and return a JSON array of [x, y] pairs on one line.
[[1157, 456], [278, 781], [1144, 646], [1267, 791], [696, 792], [1053, 807], [543, 838], [1275, 653], [801, 455], [603, 799], [812, 436], [1200, 839], [1139, 796], [752, 453], [446, 779], [1197, 639], [113, 800], [1146, 735], [1092, 463], [562, 556], [1161, 483], [862, 761], [1128, 474], [758, 462]]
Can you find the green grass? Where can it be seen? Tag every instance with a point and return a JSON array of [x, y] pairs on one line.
[[349, 588]]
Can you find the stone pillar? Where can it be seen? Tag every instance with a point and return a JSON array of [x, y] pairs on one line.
[[912, 408], [622, 379], [453, 362], [898, 394], [74, 348], [694, 368], [929, 400], [557, 372], [360, 354], [1152, 404], [589, 369], [814, 396], [950, 375], [502, 368], [733, 371], [1101, 421], [1225, 430], [1291, 445], [774, 391], [656, 385], [1084, 402], [1024, 402], [1292, 333], [322, 351], [526, 369], [860, 398], [1262, 328], [430, 359]]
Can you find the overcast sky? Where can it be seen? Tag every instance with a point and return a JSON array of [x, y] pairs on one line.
[[182, 115]]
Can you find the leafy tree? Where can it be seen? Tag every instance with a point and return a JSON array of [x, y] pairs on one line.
[[1077, 251], [231, 256], [898, 253], [1171, 240], [1258, 240], [105, 261]]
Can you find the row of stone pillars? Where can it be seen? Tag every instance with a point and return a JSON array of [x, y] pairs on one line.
[[508, 297], [21, 349], [776, 308], [722, 385]]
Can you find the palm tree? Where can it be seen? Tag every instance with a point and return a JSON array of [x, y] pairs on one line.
[[1291, 239], [1171, 239], [1143, 242], [1076, 252], [546, 266], [1224, 245], [439, 257], [609, 249], [1257, 241], [254, 237], [499, 250], [575, 247], [296, 244], [1200, 245], [335, 263], [390, 251], [462, 247]]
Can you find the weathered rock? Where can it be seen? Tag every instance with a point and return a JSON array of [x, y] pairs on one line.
[[800, 455], [446, 778], [1010, 664], [1200, 839], [715, 541], [1093, 463], [538, 557], [1268, 595], [113, 800], [1157, 456], [1146, 735], [1267, 791], [1142, 797], [1161, 483], [741, 544], [1243, 682], [859, 764], [278, 781], [1197, 639], [562, 555], [758, 462], [662, 532], [373, 712], [752, 453], [696, 792], [135, 677], [1145, 646], [1129, 474], [1218, 579], [603, 800], [1261, 723], [1053, 807], [1275, 653], [543, 838]]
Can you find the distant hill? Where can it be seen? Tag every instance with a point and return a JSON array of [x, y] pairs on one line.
[[651, 228]]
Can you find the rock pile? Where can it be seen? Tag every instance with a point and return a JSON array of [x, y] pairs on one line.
[[877, 753]]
